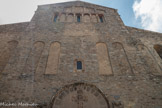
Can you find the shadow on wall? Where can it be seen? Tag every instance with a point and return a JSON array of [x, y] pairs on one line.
[[158, 49]]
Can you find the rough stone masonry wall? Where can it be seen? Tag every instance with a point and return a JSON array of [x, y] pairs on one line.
[[10, 36], [135, 82]]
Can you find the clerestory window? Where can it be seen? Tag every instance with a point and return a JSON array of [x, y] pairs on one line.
[[79, 65], [55, 18], [78, 18], [101, 18]]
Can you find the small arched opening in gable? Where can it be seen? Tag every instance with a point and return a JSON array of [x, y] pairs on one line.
[[56, 17], [63, 17], [70, 17], [101, 18], [78, 17], [87, 17], [93, 18]]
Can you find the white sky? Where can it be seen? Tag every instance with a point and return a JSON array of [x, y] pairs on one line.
[[12, 11], [150, 13]]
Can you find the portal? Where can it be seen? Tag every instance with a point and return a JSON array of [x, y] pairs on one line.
[[80, 95]]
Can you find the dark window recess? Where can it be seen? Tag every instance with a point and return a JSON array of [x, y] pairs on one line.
[[101, 19], [55, 18], [79, 65], [78, 18], [158, 49]]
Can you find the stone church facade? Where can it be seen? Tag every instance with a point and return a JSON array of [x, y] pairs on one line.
[[79, 55]]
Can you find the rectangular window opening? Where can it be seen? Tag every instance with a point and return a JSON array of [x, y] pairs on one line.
[[79, 65], [78, 18], [101, 19], [55, 18]]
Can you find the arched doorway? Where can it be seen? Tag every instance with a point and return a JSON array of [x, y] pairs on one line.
[[79, 95]]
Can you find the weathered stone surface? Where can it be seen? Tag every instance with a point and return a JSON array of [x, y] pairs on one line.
[[53, 58], [133, 73], [80, 95], [103, 59]]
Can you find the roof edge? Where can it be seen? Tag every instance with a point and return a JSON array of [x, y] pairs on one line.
[[15, 23], [143, 30], [77, 1]]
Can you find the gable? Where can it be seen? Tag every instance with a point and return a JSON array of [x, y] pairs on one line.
[[78, 6]]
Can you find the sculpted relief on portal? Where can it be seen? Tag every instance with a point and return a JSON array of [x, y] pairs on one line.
[[80, 95]]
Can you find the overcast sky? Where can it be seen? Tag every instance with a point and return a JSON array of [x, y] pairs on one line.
[[145, 14]]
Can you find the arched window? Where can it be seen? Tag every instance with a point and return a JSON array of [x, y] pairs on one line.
[[79, 65], [70, 17], [120, 61], [103, 59], [55, 17], [93, 18], [101, 18], [63, 17], [34, 57], [149, 59], [7, 53], [158, 49], [78, 16], [53, 58], [87, 18]]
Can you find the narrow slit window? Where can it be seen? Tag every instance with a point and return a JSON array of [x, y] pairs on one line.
[[101, 19], [79, 65], [55, 18], [78, 18]]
